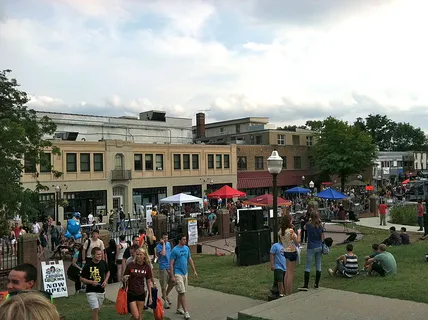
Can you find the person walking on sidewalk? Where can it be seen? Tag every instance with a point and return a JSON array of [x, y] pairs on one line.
[[315, 239], [383, 209], [163, 251], [420, 215], [180, 257]]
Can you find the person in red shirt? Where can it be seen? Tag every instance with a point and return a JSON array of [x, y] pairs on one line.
[[420, 215], [383, 208]]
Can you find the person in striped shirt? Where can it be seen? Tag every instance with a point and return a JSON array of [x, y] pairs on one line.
[[346, 264]]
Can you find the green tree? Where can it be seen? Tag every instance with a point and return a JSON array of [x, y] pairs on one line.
[[343, 149], [408, 138], [21, 135], [381, 128], [314, 125]]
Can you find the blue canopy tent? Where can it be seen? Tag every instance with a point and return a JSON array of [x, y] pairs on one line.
[[298, 190], [331, 194]]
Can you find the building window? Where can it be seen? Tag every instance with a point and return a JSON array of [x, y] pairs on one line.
[[259, 163], [85, 162], [177, 161], [309, 140], [400, 164], [226, 161], [138, 162], [221, 130], [159, 162], [45, 162], [281, 139], [118, 161], [29, 165], [297, 162], [195, 161], [296, 140], [238, 128], [284, 162], [258, 139], [148, 162], [311, 162], [98, 162], [71, 159], [218, 161], [186, 161], [242, 163], [210, 161]]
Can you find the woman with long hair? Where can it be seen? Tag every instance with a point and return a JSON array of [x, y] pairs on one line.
[[315, 233], [77, 263], [136, 272], [120, 250], [151, 243], [289, 240]]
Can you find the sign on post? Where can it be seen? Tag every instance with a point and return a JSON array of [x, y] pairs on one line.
[[54, 279], [192, 227]]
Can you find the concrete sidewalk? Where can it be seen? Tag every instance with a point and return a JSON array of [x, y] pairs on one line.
[[336, 304], [204, 304], [373, 222]]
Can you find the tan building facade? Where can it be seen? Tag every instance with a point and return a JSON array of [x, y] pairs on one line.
[[99, 176]]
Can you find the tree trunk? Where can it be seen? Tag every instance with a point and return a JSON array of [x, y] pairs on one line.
[[342, 183]]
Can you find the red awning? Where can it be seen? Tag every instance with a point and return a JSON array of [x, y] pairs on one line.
[[261, 179]]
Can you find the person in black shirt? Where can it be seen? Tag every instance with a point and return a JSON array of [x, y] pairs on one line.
[[95, 275], [404, 236], [127, 252], [111, 260]]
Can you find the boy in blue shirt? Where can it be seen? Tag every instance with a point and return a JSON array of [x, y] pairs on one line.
[[163, 252], [277, 265], [180, 256]]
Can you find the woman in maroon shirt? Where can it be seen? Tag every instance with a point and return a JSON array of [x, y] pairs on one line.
[[135, 274]]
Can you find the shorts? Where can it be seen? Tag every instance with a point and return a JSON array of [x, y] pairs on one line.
[[290, 256], [181, 283], [164, 279], [95, 300], [135, 297], [119, 261], [379, 269], [278, 275]]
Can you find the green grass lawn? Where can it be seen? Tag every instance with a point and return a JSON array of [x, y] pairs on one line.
[[222, 274], [75, 307]]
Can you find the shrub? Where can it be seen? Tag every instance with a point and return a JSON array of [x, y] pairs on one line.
[[404, 214]]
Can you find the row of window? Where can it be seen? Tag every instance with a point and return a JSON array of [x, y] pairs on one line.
[[45, 163], [259, 162], [295, 139], [217, 161], [85, 162]]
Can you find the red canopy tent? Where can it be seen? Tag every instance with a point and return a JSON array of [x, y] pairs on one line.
[[267, 200], [405, 181], [226, 192]]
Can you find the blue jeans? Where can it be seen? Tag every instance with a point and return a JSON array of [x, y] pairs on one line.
[[317, 252]]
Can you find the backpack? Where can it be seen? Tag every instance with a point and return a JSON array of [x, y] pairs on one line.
[[54, 232], [122, 215]]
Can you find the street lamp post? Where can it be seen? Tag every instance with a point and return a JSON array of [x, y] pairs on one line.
[[303, 181], [311, 186], [57, 196], [274, 164]]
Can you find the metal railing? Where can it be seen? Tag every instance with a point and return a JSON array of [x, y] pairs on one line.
[[10, 256], [119, 174]]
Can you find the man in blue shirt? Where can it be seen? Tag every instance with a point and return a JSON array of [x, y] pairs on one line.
[[180, 256], [277, 265], [163, 252]]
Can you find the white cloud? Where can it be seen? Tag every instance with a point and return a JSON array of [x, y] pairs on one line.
[[106, 54]]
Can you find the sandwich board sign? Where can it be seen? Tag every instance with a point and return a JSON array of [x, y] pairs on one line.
[[54, 278]]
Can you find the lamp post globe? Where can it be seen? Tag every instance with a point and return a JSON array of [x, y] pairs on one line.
[[274, 164], [311, 184]]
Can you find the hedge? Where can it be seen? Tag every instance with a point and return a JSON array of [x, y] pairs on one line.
[[404, 214]]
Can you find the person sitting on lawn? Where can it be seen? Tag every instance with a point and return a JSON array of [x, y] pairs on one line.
[[347, 264], [394, 238], [384, 263], [404, 236], [376, 251]]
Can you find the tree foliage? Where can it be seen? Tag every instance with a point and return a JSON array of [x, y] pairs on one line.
[[21, 135], [343, 149]]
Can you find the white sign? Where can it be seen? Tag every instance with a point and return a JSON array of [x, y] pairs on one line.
[[192, 228], [149, 207], [54, 279]]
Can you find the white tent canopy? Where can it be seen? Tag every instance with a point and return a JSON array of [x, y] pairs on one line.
[[180, 198]]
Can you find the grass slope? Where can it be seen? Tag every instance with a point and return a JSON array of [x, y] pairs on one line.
[[222, 274]]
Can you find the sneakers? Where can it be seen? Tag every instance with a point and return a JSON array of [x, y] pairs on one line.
[[166, 305], [186, 315], [180, 311], [330, 271], [303, 289], [169, 301], [316, 286]]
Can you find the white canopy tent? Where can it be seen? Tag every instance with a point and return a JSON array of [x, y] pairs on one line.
[[180, 198]]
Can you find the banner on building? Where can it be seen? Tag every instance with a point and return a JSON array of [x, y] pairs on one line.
[[54, 278], [192, 227]]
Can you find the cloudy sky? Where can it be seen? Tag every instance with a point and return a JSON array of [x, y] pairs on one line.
[[291, 60]]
